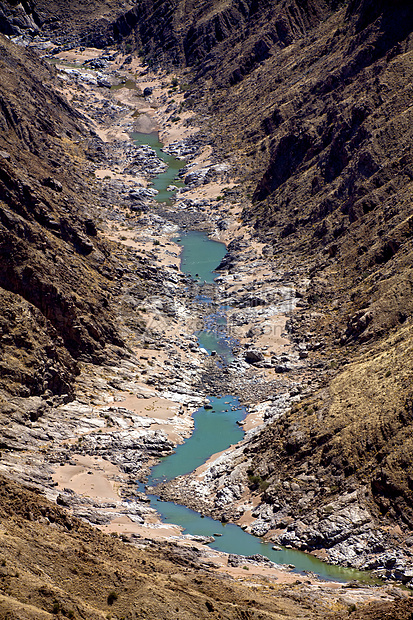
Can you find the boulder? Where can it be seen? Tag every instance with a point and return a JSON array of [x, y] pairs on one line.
[[253, 356]]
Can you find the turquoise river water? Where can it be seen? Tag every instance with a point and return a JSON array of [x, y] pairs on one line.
[[216, 429], [167, 178]]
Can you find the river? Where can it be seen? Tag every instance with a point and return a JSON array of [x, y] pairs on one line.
[[216, 428], [165, 179]]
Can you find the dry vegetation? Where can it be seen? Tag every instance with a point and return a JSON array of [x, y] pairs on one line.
[[54, 566]]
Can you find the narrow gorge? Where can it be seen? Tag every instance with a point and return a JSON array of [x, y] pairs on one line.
[[205, 333]]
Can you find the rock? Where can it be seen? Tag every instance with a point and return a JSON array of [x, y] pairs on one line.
[[104, 82], [53, 184], [90, 228], [204, 540], [184, 149], [235, 560], [259, 527], [251, 301], [196, 177], [205, 175], [357, 324], [227, 262], [228, 495], [253, 355], [223, 224], [96, 63], [62, 501], [147, 92], [142, 193], [406, 575], [257, 557]]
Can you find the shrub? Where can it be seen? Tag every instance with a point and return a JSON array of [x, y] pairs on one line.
[[112, 597], [257, 482]]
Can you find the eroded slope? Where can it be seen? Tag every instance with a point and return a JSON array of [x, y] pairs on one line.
[[319, 121], [325, 130], [55, 272], [52, 565]]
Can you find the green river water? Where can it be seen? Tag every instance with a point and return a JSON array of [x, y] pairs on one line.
[[167, 178], [216, 429]]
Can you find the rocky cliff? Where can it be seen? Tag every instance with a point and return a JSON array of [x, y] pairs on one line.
[[312, 102], [55, 272], [210, 35], [60, 21]]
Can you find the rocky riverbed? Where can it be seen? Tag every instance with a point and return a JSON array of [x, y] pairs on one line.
[[87, 453]]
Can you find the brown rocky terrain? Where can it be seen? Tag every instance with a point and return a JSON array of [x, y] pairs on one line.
[[334, 135], [319, 121], [52, 565], [311, 103], [55, 271], [62, 22], [55, 566]]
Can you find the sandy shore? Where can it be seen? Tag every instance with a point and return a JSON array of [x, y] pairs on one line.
[[91, 477]]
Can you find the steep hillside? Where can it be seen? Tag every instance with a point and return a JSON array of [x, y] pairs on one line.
[[60, 21], [54, 271], [209, 35], [54, 566], [323, 133], [334, 134], [314, 104]]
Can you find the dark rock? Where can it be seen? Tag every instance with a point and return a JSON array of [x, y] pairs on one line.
[[90, 228], [53, 184], [253, 355]]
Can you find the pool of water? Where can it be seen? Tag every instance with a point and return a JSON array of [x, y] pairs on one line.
[[214, 335], [167, 178], [200, 255], [212, 340], [232, 539], [128, 84], [215, 430]]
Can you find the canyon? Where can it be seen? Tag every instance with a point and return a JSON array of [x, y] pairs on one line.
[[292, 126]]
